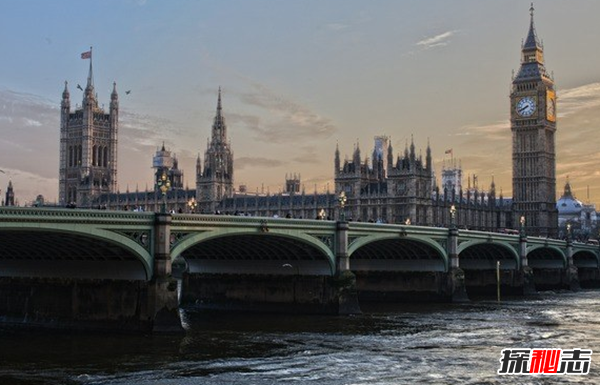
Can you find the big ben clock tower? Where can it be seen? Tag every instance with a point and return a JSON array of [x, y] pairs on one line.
[[533, 126]]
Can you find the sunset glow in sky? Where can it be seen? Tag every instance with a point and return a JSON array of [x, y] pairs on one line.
[[297, 78]]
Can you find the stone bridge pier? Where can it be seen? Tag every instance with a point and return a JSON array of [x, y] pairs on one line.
[[163, 299]]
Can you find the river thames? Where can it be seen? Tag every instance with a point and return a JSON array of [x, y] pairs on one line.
[[400, 344]]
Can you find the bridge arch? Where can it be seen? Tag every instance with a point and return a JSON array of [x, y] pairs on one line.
[[249, 251], [585, 258], [72, 251], [394, 253], [546, 257], [483, 255]]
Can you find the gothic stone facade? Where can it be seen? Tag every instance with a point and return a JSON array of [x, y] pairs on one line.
[[88, 147], [533, 125]]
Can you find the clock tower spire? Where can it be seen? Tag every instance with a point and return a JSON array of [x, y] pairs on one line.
[[533, 126]]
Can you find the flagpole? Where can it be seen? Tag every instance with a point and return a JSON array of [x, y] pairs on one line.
[[91, 72]]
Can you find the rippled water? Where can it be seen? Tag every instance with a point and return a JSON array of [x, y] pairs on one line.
[[427, 344]]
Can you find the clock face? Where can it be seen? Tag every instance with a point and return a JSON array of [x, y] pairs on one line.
[[551, 106], [526, 106]]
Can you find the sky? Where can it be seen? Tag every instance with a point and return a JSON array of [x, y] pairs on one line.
[[297, 78]]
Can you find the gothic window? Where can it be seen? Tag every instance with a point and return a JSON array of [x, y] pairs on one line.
[[94, 155], [70, 156], [79, 155], [105, 157]]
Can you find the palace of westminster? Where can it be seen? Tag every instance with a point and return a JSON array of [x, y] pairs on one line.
[[387, 188]]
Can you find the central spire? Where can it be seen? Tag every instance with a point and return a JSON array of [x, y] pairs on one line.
[[89, 97], [532, 56], [219, 129], [219, 108], [531, 42]]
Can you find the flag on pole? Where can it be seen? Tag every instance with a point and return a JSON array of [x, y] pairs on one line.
[[448, 151], [86, 55]]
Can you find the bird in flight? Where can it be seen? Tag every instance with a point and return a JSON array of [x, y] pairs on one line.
[[78, 86], [128, 92]]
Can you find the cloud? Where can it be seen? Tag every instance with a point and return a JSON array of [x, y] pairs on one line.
[[336, 26], [321, 181], [308, 155], [435, 41], [493, 131], [30, 125], [31, 122], [575, 99], [246, 161], [286, 121]]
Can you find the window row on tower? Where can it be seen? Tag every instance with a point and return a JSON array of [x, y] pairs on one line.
[[75, 155], [100, 156]]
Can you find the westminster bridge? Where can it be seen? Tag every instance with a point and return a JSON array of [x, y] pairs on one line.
[[113, 269]]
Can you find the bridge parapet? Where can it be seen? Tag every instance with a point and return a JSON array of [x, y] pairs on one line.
[[215, 221], [547, 242], [28, 214], [381, 228], [488, 236]]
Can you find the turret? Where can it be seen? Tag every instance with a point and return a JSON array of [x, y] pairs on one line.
[[198, 167], [356, 156], [66, 97], [65, 109], [10, 195], [114, 97], [390, 157], [337, 160], [428, 160], [376, 163]]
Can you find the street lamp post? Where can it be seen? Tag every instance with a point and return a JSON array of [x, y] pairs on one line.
[[452, 216], [522, 228], [164, 184], [192, 204], [322, 215], [342, 200], [568, 232]]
